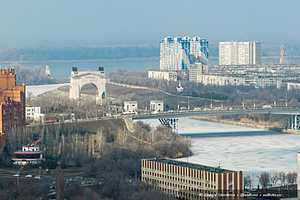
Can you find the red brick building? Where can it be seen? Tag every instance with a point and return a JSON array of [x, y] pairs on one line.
[[192, 181], [12, 101]]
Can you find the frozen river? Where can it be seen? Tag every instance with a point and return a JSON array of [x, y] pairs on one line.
[[239, 148]]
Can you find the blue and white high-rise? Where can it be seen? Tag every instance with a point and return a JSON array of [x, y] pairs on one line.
[[177, 54]]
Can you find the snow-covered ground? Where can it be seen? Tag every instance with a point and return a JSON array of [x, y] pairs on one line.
[[248, 153], [244, 151], [36, 90]]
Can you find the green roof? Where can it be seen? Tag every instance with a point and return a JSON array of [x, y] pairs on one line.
[[190, 165]]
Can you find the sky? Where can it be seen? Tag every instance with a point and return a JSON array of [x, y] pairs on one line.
[[76, 23]]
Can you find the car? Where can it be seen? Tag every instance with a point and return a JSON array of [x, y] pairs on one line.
[[197, 109], [37, 177], [16, 175], [266, 107], [28, 176]]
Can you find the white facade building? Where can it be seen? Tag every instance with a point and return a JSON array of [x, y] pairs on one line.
[[239, 53], [156, 106], [293, 86], [195, 72], [163, 75], [34, 114], [219, 80], [130, 107], [226, 80]]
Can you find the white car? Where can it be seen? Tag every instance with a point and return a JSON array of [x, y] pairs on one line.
[[37, 177], [28, 176], [266, 107]]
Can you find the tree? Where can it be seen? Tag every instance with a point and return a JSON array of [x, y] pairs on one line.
[[282, 178], [291, 178], [274, 179], [264, 179], [248, 182]]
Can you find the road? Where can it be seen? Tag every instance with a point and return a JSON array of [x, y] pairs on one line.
[[9, 173], [239, 111]]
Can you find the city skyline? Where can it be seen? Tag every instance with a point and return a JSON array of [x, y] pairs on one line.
[[52, 23]]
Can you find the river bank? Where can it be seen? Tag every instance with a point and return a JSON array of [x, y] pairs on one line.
[[244, 122]]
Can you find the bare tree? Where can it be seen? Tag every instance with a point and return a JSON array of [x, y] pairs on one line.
[[264, 179], [248, 182], [282, 178], [275, 179], [291, 178]]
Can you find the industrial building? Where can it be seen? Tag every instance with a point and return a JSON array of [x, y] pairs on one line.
[[12, 101], [191, 181]]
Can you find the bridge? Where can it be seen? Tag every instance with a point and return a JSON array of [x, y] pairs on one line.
[[169, 119], [292, 112]]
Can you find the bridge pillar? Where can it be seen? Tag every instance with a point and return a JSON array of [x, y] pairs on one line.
[[294, 122], [170, 123]]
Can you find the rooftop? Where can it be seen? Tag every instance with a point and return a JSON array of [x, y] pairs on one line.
[[191, 165]]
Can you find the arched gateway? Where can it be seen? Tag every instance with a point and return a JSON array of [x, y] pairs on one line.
[[81, 78]]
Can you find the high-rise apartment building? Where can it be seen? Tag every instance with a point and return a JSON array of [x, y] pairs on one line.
[[12, 101], [178, 53], [239, 53], [191, 181]]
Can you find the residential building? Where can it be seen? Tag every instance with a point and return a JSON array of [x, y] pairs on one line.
[[191, 181], [34, 114], [163, 75], [130, 107], [257, 81], [195, 71], [239, 53], [176, 54], [219, 80], [293, 86], [12, 101], [265, 81], [156, 106]]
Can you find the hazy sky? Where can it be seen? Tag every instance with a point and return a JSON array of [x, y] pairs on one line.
[[59, 23]]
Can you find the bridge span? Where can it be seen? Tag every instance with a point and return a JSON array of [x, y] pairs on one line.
[[292, 112], [188, 113]]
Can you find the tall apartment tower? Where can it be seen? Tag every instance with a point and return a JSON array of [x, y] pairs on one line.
[[239, 53], [178, 53]]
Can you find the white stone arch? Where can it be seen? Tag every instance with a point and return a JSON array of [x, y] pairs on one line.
[[79, 79]]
